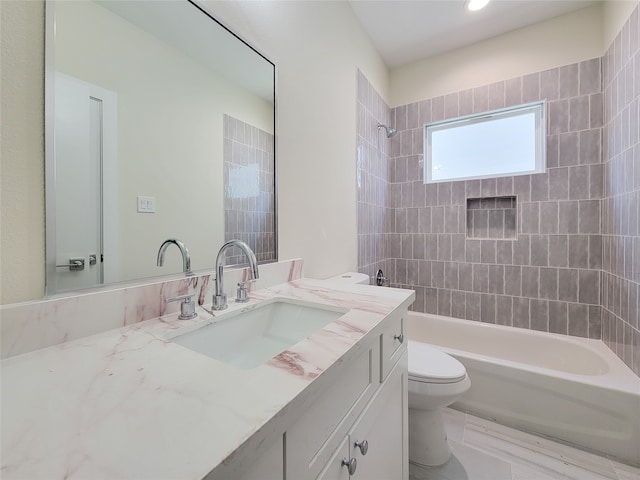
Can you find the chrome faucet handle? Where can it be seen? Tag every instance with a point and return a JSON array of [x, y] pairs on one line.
[[242, 295], [187, 307]]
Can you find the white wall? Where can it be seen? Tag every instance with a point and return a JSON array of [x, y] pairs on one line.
[[21, 151], [563, 40]]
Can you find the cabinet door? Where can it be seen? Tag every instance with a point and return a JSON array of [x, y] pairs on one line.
[[335, 468], [313, 439], [383, 425]]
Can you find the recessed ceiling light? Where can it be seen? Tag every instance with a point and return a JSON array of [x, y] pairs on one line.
[[474, 5]]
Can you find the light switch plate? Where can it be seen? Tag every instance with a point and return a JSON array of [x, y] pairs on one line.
[[146, 204]]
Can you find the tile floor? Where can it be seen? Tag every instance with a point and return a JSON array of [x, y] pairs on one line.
[[484, 450]]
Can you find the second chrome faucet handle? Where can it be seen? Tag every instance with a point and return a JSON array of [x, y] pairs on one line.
[[242, 294], [187, 307]]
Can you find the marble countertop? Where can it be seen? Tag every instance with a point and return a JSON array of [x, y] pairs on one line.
[[129, 403]]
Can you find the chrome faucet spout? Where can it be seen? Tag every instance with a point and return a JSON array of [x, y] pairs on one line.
[[186, 259], [219, 297]]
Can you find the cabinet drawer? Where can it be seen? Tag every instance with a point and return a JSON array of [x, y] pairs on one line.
[[392, 343], [320, 430]]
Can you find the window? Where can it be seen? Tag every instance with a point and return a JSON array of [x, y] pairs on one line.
[[499, 143]]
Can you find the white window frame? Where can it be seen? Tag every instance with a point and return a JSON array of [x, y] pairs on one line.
[[538, 108]]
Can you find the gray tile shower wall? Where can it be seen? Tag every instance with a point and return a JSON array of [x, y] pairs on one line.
[[548, 277], [574, 267], [620, 287], [249, 189], [374, 214]]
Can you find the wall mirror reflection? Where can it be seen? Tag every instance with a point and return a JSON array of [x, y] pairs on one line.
[[160, 124]]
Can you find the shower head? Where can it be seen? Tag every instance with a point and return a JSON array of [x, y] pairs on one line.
[[390, 131]]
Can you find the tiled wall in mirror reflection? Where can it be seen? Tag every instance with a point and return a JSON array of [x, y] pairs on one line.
[[249, 190]]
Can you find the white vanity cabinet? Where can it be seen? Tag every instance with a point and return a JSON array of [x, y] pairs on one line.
[[376, 446], [364, 401], [367, 404]]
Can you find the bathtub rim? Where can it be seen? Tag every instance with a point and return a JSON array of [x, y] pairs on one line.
[[619, 377]]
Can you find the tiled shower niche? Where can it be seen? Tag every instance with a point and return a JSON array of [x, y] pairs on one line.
[[492, 218]]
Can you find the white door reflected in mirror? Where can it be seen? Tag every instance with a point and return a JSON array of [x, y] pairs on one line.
[[85, 142]]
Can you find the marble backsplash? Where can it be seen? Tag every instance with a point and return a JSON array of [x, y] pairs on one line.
[[29, 326]]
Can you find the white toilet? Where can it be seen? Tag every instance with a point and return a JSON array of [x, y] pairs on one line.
[[436, 380]]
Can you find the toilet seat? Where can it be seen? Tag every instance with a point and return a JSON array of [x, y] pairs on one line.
[[427, 364]]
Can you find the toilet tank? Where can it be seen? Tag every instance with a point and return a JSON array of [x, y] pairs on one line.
[[351, 277]]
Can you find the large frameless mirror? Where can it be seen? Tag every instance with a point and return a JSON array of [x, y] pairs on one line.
[[160, 124]]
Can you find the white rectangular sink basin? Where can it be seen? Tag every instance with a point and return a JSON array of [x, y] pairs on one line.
[[249, 337]]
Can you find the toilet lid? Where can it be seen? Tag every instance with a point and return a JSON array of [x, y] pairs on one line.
[[430, 365]]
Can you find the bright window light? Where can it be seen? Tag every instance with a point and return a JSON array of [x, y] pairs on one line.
[[499, 143]]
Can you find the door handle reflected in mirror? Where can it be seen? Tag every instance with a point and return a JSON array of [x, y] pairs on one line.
[[74, 265]]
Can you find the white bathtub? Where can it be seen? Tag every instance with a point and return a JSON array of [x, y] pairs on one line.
[[572, 389]]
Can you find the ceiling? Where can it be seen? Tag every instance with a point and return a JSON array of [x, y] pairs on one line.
[[405, 31]]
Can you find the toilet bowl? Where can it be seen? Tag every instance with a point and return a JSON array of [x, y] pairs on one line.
[[436, 380]]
